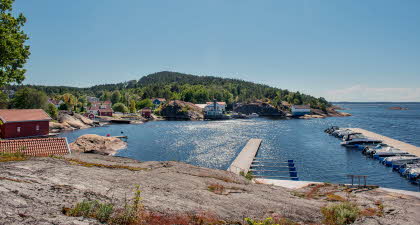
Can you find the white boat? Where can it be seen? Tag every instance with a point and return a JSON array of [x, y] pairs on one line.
[[253, 115]]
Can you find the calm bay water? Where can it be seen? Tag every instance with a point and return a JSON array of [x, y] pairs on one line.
[[318, 156]]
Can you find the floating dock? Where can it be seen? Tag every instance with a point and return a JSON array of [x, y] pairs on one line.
[[243, 162], [389, 141]]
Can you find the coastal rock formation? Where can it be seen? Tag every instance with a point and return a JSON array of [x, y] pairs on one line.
[[70, 122], [180, 110], [331, 112], [37, 190], [262, 109], [93, 143]]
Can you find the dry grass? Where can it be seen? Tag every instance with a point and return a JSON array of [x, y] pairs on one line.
[[88, 164], [12, 156], [369, 212], [14, 180], [335, 198], [216, 188]]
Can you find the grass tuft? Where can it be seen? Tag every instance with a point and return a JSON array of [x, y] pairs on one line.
[[12, 156], [339, 214], [270, 221]]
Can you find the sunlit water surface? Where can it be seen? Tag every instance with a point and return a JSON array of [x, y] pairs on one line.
[[318, 156]]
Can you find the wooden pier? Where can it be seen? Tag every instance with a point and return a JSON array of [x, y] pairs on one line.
[[389, 141], [243, 161]]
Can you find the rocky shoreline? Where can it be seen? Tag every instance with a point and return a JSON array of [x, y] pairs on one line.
[[36, 191]]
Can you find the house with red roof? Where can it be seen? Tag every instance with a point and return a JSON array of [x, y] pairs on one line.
[[17, 123], [101, 108]]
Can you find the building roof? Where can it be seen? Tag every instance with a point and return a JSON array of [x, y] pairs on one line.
[[36, 147], [23, 115], [160, 99], [202, 106], [220, 103], [302, 106], [54, 101], [105, 110]]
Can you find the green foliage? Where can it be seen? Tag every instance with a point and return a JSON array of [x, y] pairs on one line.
[[120, 107], [190, 88], [133, 106], [107, 212], [144, 103], [52, 111], [13, 51], [29, 98], [339, 214], [70, 100], [4, 100], [115, 97], [248, 175], [92, 209]]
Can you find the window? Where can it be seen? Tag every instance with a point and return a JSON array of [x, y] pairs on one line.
[[18, 129], [37, 127]]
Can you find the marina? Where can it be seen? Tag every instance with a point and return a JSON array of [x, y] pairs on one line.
[[318, 157], [402, 157]]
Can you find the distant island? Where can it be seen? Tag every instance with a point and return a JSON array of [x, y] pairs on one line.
[[397, 108]]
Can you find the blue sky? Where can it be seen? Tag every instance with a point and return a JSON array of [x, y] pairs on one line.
[[342, 50]]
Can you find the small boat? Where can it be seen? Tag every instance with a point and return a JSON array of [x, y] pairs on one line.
[[253, 115], [397, 161], [358, 141]]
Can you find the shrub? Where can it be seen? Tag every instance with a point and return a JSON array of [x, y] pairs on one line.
[[248, 176], [338, 214], [336, 198]]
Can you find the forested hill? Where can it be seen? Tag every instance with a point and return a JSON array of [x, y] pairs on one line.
[[191, 88]]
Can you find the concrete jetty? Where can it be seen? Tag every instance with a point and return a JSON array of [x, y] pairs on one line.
[[243, 161], [389, 141]]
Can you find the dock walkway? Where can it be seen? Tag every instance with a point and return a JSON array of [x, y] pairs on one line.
[[389, 141], [243, 162]]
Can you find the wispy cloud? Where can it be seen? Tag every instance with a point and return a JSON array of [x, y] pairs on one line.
[[366, 94]]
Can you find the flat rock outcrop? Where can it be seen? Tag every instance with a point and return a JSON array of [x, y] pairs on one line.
[[180, 110], [36, 191], [67, 122], [331, 112], [92, 143], [262, 109]]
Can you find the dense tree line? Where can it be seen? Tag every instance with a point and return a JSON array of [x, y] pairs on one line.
[[176, 86]]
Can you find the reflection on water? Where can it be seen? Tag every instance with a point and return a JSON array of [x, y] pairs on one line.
[[318, 156]]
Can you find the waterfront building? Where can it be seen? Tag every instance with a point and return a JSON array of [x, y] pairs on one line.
[[214, 109], [16, 123], [300, 110]]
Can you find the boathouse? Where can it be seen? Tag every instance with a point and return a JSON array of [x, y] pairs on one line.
[[300, 110], [17, 123], [146, 112]]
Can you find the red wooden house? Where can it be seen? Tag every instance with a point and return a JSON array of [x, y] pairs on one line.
[[146, 112], [16, 123]]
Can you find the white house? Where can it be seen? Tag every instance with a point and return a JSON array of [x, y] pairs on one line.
[[300, 110], [56, 103], [214, 109]]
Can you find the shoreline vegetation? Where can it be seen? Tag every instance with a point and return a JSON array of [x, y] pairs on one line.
[[135, 95]]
